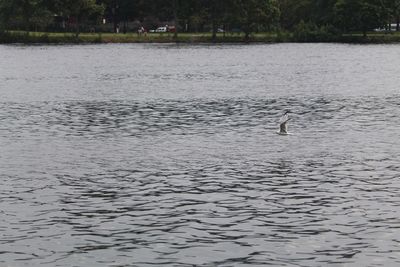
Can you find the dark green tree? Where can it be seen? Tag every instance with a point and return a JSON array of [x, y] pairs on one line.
[[360, 15], [396, 13], [30, 14], [128, 11], [6, 10], [322, 12], [175, 11], [255, 15], [294, 11], [393, 7], [195, 15], [81, 11], [215, 12]]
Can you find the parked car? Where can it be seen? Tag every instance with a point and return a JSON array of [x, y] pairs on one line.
[[161, 29], [393, 28], [165, 28], [218, 30]]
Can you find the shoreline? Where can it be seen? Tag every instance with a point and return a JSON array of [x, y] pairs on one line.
[[13, 37]]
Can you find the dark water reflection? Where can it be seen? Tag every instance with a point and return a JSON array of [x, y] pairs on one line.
[[200, 181]]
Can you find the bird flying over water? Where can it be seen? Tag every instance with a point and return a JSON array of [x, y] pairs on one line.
[[283, 123]]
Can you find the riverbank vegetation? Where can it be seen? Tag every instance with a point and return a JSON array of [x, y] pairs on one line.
[[104, 21], [314, 36]]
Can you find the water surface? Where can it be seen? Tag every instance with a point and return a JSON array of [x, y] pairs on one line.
[[145, 155]]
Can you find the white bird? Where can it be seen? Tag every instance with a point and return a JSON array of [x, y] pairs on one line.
[[283, 124]]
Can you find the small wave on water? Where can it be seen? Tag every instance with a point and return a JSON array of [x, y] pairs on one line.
[[200, 182]]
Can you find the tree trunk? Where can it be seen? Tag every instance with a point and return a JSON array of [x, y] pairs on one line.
[[214, 22], [247, 36], [77, 27], [214, 31], [115, 16], [125, 25], [175, 7], [27, 25], [26, 13], [247, 32]]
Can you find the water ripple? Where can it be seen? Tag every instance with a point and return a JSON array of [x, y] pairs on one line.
[[199, 181]]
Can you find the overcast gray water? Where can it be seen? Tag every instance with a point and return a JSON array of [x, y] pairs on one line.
[[150, 155]]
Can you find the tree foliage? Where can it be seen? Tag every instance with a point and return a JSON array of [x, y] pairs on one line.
[[81, 11], [247, 16], [27, 14], [360, 14], [255, 15]]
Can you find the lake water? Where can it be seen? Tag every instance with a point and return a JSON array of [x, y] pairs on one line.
[[149, 155]]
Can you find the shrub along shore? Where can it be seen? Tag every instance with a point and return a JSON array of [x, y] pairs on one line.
[[10, 37]]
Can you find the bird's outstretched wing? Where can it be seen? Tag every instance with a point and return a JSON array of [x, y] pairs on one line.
[[283, 124], [284, 118], [283, 127]]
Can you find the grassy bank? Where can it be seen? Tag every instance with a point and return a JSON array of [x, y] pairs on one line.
[[65, 38], [42, 37]]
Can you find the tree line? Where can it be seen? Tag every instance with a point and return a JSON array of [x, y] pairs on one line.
[[247, 16]]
